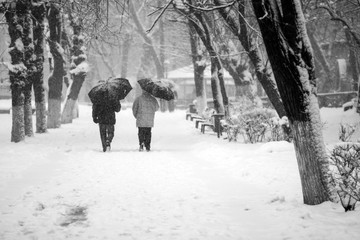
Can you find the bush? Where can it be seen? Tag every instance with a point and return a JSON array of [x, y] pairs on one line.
[[255, 123], [346, 131], [280, 129], [345, 175]]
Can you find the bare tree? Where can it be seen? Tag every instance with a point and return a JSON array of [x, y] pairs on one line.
[[290, 54], [343, 12], [78, 68], [56, 77], [17, 70], [39, 12], [198, 53], [239, 25], [199, 22], [27, 39]]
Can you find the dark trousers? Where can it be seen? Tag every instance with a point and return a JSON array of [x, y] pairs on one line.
[[106, 134], [145, 136]]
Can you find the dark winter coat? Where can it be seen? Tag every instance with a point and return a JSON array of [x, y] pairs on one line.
[[144, 108], [105, 114]]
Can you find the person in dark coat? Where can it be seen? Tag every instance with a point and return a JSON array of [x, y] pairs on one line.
[[144, 108], [104, 115]]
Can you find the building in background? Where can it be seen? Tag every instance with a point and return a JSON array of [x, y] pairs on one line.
[[184, 79]]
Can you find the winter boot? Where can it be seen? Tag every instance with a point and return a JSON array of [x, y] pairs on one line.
[[108, 147], [141, 148]]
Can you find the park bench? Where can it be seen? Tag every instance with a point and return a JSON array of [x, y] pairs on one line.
[[209, 118], [212, 121]]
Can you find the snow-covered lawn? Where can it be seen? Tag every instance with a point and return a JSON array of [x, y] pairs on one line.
[[60, 185]]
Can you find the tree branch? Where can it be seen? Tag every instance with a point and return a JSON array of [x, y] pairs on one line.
[[212, 8], [159, 16]]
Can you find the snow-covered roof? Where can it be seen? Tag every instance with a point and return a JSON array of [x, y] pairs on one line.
[[188, 73]]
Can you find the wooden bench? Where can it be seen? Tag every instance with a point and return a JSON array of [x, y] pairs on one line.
[[213, 123]]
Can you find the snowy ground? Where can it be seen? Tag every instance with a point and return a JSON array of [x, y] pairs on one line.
[[60, 185]]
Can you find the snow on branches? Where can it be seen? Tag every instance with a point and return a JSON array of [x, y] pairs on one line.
[[345, 175]]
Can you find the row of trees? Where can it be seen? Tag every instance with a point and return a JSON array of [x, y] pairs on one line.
[[26, 21], [291, 83]]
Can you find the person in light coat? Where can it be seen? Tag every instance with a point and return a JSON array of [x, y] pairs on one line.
[[144, 108]]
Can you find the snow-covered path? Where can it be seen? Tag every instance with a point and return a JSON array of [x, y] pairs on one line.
[[61, 185]]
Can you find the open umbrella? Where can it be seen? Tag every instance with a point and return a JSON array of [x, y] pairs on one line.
[[110, 90], [159, 89]]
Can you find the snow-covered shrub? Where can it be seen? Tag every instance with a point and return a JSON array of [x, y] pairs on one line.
[[255, 123], [346, 131], [345, 174], [280, 129], [232, 128]]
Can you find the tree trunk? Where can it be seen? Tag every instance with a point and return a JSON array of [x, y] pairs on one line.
[[17, 73], [78, 57], [263, 73], [164, 105], [27, 39], [290, 54], [217, 81], [56, 77], [38, 76], [199, 63], [18, 123]]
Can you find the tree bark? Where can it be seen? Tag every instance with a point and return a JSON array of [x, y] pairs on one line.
[[27, 39], [56, 77], [78, 57], [17, 73], [290, 54], [263, 73], [38, 12], [199, 63]]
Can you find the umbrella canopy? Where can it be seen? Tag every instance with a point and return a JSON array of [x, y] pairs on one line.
[[158, 89], [113, 89]]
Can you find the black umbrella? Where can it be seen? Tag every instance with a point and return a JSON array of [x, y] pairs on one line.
[[158, 89], [113, 89]]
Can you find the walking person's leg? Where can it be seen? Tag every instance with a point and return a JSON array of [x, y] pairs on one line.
[[141, 138], [110, 135], [147, 138], [102, 129]]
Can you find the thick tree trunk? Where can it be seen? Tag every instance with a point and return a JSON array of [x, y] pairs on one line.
[[17, 74], [78, 57], [28, 111], [199, 63], [290, 54], [18, 124], [56, 77], [216, 77], [38, 76], [27, 39], [263, 73]]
